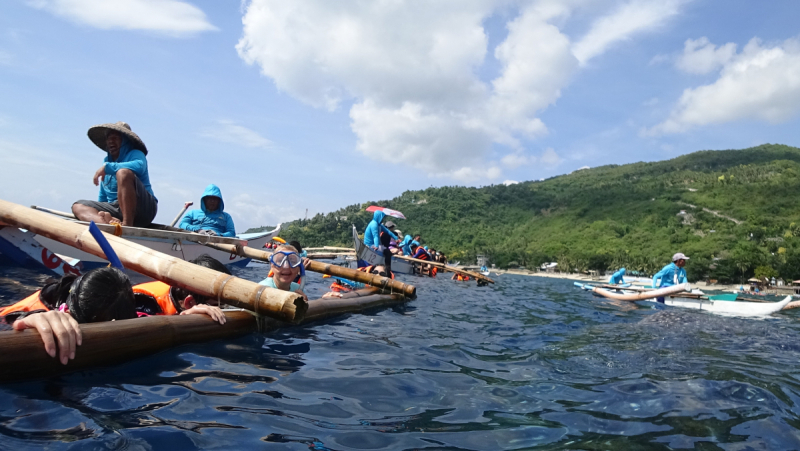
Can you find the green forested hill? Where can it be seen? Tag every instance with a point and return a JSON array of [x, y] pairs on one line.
[[742, 217]]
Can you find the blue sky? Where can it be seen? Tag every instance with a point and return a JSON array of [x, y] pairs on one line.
[[315, 105]]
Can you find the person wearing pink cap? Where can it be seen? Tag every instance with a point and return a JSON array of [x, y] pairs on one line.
[[672, 274]]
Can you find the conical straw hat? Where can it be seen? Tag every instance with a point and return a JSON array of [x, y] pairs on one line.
[[98, 135]]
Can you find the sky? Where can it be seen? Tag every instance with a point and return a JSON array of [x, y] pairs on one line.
[[314, 105]]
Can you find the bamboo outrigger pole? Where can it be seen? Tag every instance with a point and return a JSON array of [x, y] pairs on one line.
[[22, 353], [283, 305], [326, 268], [643, 295], [444, 267]]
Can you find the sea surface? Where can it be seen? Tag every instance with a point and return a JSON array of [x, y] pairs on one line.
[[529, 363]]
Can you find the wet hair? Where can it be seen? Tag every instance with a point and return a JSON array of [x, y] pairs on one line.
[[296, 245], [102, 294], [178, 294], [56, 291]]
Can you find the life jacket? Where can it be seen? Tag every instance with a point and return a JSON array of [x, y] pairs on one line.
[[339, 288], [28, 304], [462, 277], [158, 291], [368, 270]]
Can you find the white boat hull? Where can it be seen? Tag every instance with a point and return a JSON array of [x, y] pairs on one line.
[[176, 246], [364, 252], [736, 308]]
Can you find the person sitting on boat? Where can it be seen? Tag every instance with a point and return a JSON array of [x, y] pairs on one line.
[[158, 298], [617, 277], [211, 218], [285, 265], [672, 274], [420, 253], [372, 235], [126, 196]]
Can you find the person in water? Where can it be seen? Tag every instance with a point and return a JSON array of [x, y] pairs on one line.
[[158, 298], [103, 294], [211, 218], [285, 265], [126, 196], [617, 278], [672, 274]]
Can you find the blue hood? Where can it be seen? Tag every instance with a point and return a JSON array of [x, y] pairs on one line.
[[212, 190], [378, 216]]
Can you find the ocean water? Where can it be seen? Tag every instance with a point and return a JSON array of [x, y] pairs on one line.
[[530, 363]]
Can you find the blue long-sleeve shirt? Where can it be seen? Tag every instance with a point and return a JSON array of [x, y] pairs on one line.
[[617, 277], [372, 236], [128, 158], [202, 219], [669, 276]]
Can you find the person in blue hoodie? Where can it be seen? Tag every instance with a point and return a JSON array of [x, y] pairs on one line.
[[672, 274], [372, 237], [617, 277], [126, 196], [405, 245], [210, 218]]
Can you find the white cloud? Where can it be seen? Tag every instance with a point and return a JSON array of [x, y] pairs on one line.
[[651, 102], [231, 133], [758, 83], [517, 159], [259, 213], [702, 57], [631, 18], [510, 182], [408, 71], [550, 158], [164, 16]]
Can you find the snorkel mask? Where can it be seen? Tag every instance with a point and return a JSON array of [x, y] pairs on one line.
[[288, 259]]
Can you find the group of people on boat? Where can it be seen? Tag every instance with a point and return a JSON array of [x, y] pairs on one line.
[[670, 275], [385, 239], [126, 196]]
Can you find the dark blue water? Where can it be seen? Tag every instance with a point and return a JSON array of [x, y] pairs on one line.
[[530, 363]]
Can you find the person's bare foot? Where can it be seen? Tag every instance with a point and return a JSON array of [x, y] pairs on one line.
[[105, 217], [115, 221]]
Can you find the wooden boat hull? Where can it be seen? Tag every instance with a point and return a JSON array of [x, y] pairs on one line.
[[183, 245], [370, 256]]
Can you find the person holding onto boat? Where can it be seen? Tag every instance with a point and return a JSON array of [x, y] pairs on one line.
[[285, 265], [159, 298], [211, 218], [125, 197], [617, 277], [672, 274], [405, 245]]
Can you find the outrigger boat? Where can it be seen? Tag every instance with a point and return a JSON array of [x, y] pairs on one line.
[[23, 246], [721, 304], [371, 257]]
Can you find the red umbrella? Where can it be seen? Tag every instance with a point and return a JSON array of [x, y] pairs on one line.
[[387, 211]]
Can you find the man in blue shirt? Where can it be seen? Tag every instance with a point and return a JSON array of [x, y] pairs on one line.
[[211, 218], [126, 196], [672, 274]]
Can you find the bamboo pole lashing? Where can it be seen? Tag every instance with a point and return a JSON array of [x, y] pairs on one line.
[[173, 271]]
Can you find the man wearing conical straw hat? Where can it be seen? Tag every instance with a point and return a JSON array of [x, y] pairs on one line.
[[125, 197]]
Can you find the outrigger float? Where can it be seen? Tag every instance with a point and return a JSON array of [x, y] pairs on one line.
[[22, 353], [23, 246], [681, 296]]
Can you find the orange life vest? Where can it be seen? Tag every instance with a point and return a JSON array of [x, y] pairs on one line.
[[160, 292], [461, 277], [28, 304]]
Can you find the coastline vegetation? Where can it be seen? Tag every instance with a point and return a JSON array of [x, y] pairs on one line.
[[736, 213]]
